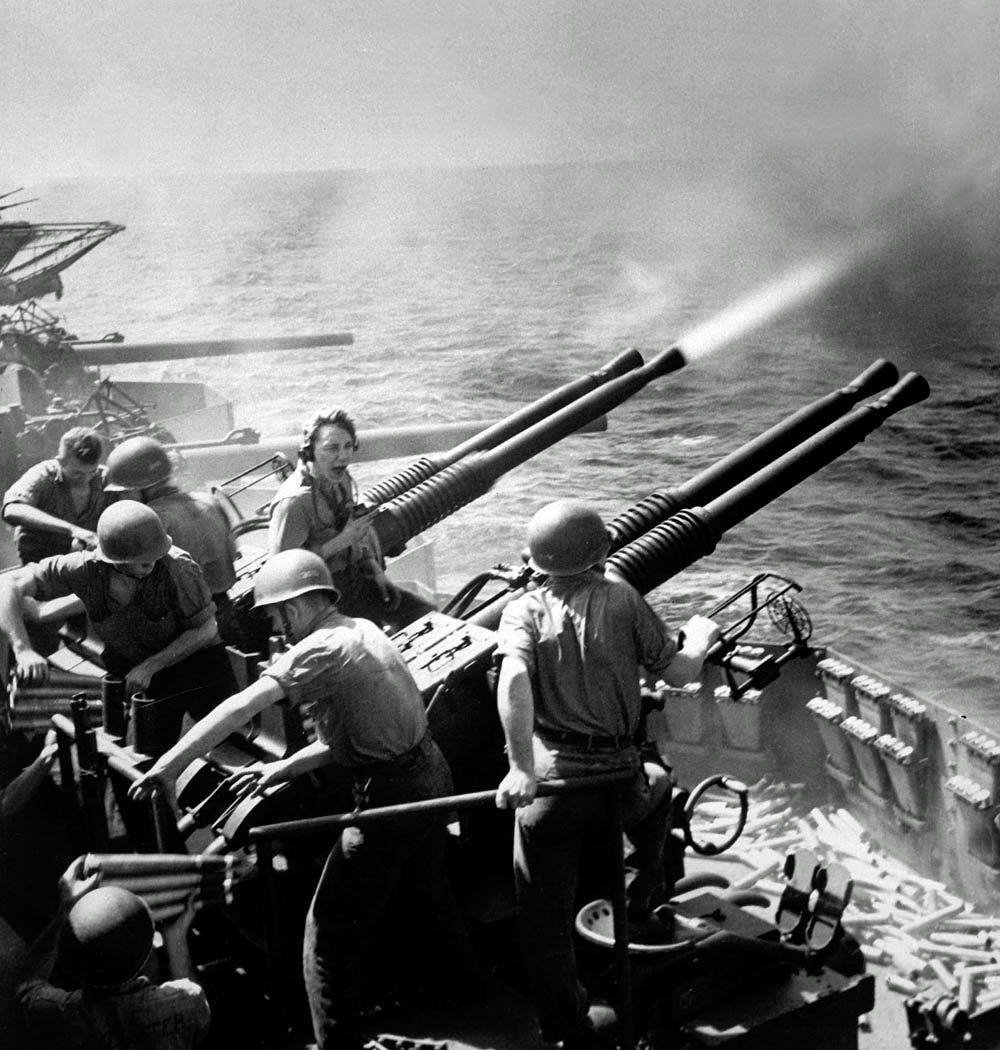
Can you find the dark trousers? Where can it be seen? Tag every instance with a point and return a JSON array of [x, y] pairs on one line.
[[362, 872], [550, 837]]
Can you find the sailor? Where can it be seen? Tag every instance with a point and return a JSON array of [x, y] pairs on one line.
[[40, 833], [316, 509], [55, 504], [101, 938], [570, 705], [195, 521], [147, 601], [371, 723]]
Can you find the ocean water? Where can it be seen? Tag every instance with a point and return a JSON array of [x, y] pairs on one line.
[[470, 293]]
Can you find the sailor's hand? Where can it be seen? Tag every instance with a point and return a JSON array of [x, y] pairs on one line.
[[32, 667], [178, 927], [357, 528], [391, 594], [516, 789], [74, 883], [82, 539], [138, 678], [253, 778], [273, 773], [50, 749], [153, 781], [702, 633]]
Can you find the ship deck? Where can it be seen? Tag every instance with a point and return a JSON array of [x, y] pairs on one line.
[[894, 912]]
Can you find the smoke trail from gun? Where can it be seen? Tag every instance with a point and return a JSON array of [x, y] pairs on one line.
[[792, 289], [941, 242]]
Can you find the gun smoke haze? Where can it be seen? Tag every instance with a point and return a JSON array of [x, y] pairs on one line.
[[767, 304], [835, 121], [515, 192], [472, 311]]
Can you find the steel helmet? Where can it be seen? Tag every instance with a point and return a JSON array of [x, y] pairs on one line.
[[290, 573], [138, 463], [107, 937], [130, 531], [565, 538]]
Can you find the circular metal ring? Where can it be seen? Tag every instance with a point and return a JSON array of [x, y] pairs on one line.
[[738, 788]]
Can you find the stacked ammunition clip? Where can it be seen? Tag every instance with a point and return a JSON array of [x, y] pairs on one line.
[[875, 736], [31, 707], [165, 881]]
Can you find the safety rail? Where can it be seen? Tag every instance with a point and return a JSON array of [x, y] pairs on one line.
[[280, 467], [263, 837]]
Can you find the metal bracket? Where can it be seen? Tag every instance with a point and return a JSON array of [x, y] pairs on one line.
[[834, 885], [814, 900], [793, 912]]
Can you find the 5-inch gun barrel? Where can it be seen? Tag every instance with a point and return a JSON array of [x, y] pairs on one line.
[[108, 352]]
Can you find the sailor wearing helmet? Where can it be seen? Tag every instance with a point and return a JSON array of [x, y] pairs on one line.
[[147, 601], [570, 705], [195, 521], [372, 724], [100, 940]]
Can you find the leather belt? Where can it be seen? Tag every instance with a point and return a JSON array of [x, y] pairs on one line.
[[402, 761], [585, 741]]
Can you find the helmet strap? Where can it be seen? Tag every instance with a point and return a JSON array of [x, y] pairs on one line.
[[286, 623], [122, 569], [158, 488]]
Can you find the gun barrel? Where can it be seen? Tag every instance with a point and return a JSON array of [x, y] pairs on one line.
[[107, 352], [689, 535], [749, 458], [223, 459], [501, 431], [432, 500]]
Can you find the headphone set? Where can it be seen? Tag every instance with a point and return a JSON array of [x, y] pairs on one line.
[[336, 418]]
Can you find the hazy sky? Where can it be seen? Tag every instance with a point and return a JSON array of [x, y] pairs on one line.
[[125, 86]]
